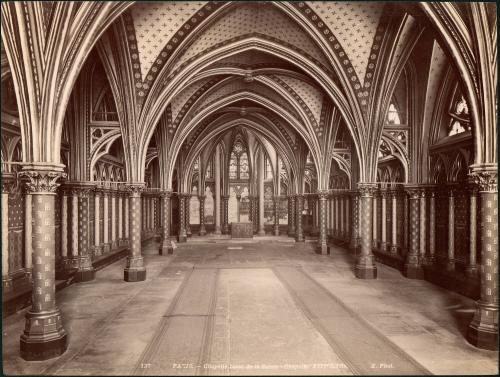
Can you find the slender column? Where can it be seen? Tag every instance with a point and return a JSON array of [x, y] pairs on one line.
[[450, 265], [336, 215], [405, 222], [299, 205], [423, 220], [5, 232], [329, 210], [238, 203], [347, 217], [85, 270], [383, 224], [432, 227], [276, 215], [413, 267], [471, 268], [97, 215], [375, 209], [323, 244], [166, 243], [365, 266], [73, 223], [64, 224], [313, 205], [182, 219], [483, 330], [135, 270], [394, 232], [106, 247], [261, 231], [188, 215], [217, 191], [291, 216], [203, 231], [114, 243], [225, 208], [44, 336], [28, 245], [127, 216], [355, 240], [121, 218], [341, 214]]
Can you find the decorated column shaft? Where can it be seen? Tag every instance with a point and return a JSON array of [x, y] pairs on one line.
[[203, 231], [342, 215], [114, 238], [225, 214], [106, 246], [182, 218], [291, 216], [413, 267], [365, 266], [276, 215], [375, 218], [6, 183], [188, 215], [85, 270], [299, 206], [383, 224], [423, 223], [394, 222], [471, 268], [120, 218], [44, 336], [64, 224], [432, 226], [166, 243], [97, 222], [127, 216], [355, 241], [323, 239], [135, 270], [483, 330], [450, 265], [28, 236]]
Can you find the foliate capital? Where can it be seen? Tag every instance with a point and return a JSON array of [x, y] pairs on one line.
[[135, 189], [8, 182], [42, 179], [414, 191], [367, 190], [323, 194], [485, 177]]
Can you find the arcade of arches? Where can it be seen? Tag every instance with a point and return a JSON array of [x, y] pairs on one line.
[[365, 126]]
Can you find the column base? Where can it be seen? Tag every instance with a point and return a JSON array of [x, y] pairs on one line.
[[44, 337], [365, 272], [300, 238], [472, 271], [133, 274], [166, 248], [182, 238], [97, 250], [393, 250], [85, 271], [413, 271], [383, 247], [106, 248], [203, 232], [217, 231], [450, 266], [483, 330], [323, 249]]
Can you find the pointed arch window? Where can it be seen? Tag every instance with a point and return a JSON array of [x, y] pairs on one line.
[[238, 162], [393, 116], [459, 114]]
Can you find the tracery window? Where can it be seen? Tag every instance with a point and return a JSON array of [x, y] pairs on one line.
[[393, 115], [269, 170], [238, 163], [459, 114]]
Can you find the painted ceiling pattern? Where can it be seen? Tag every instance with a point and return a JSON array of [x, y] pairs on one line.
[[156, 23], [354, 24], [251, 18], [309, 94], [181, 98], [439, 63]]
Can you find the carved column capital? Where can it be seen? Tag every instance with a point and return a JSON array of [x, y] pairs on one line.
[[414, 191], [135, 189], [485, 177], [367, 189], [42, 179], [8, 182], [323, 194], [384, 192]]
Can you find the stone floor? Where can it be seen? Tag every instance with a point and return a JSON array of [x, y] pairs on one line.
[[268, 307]]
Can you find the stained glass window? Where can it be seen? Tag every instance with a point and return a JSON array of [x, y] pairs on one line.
[[244, 166], [233, 166], [459, 117]]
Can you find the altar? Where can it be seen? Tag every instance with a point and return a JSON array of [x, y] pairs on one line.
[[242, 230]]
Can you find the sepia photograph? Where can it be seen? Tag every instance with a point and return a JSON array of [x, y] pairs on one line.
[[243, 188]]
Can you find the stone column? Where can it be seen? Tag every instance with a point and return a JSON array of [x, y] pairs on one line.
[[336, 215], [394, 230], [106, 246], [423, 221], [383, 224], [135, 270], [28, 245], [404, 198], [187, 202], [276, 215], [64, 224], [355, 240], [238, 203], [120, 218], [323, 240], [166, 244], [182, 218], [471, 268], [114, 239], [375, 218], [365, 266], [483, 330], [311, 199], [450, 264], [291, 216], [299, 205], [127, 217], [44, 336], [432, 227], [203, 231], [85, 270], [413, 267], [217, 191], [347, 217], [5, 232], [97, 222], [225, 208]]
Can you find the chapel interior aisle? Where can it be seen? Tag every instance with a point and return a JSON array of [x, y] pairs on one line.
[[256, 307]]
